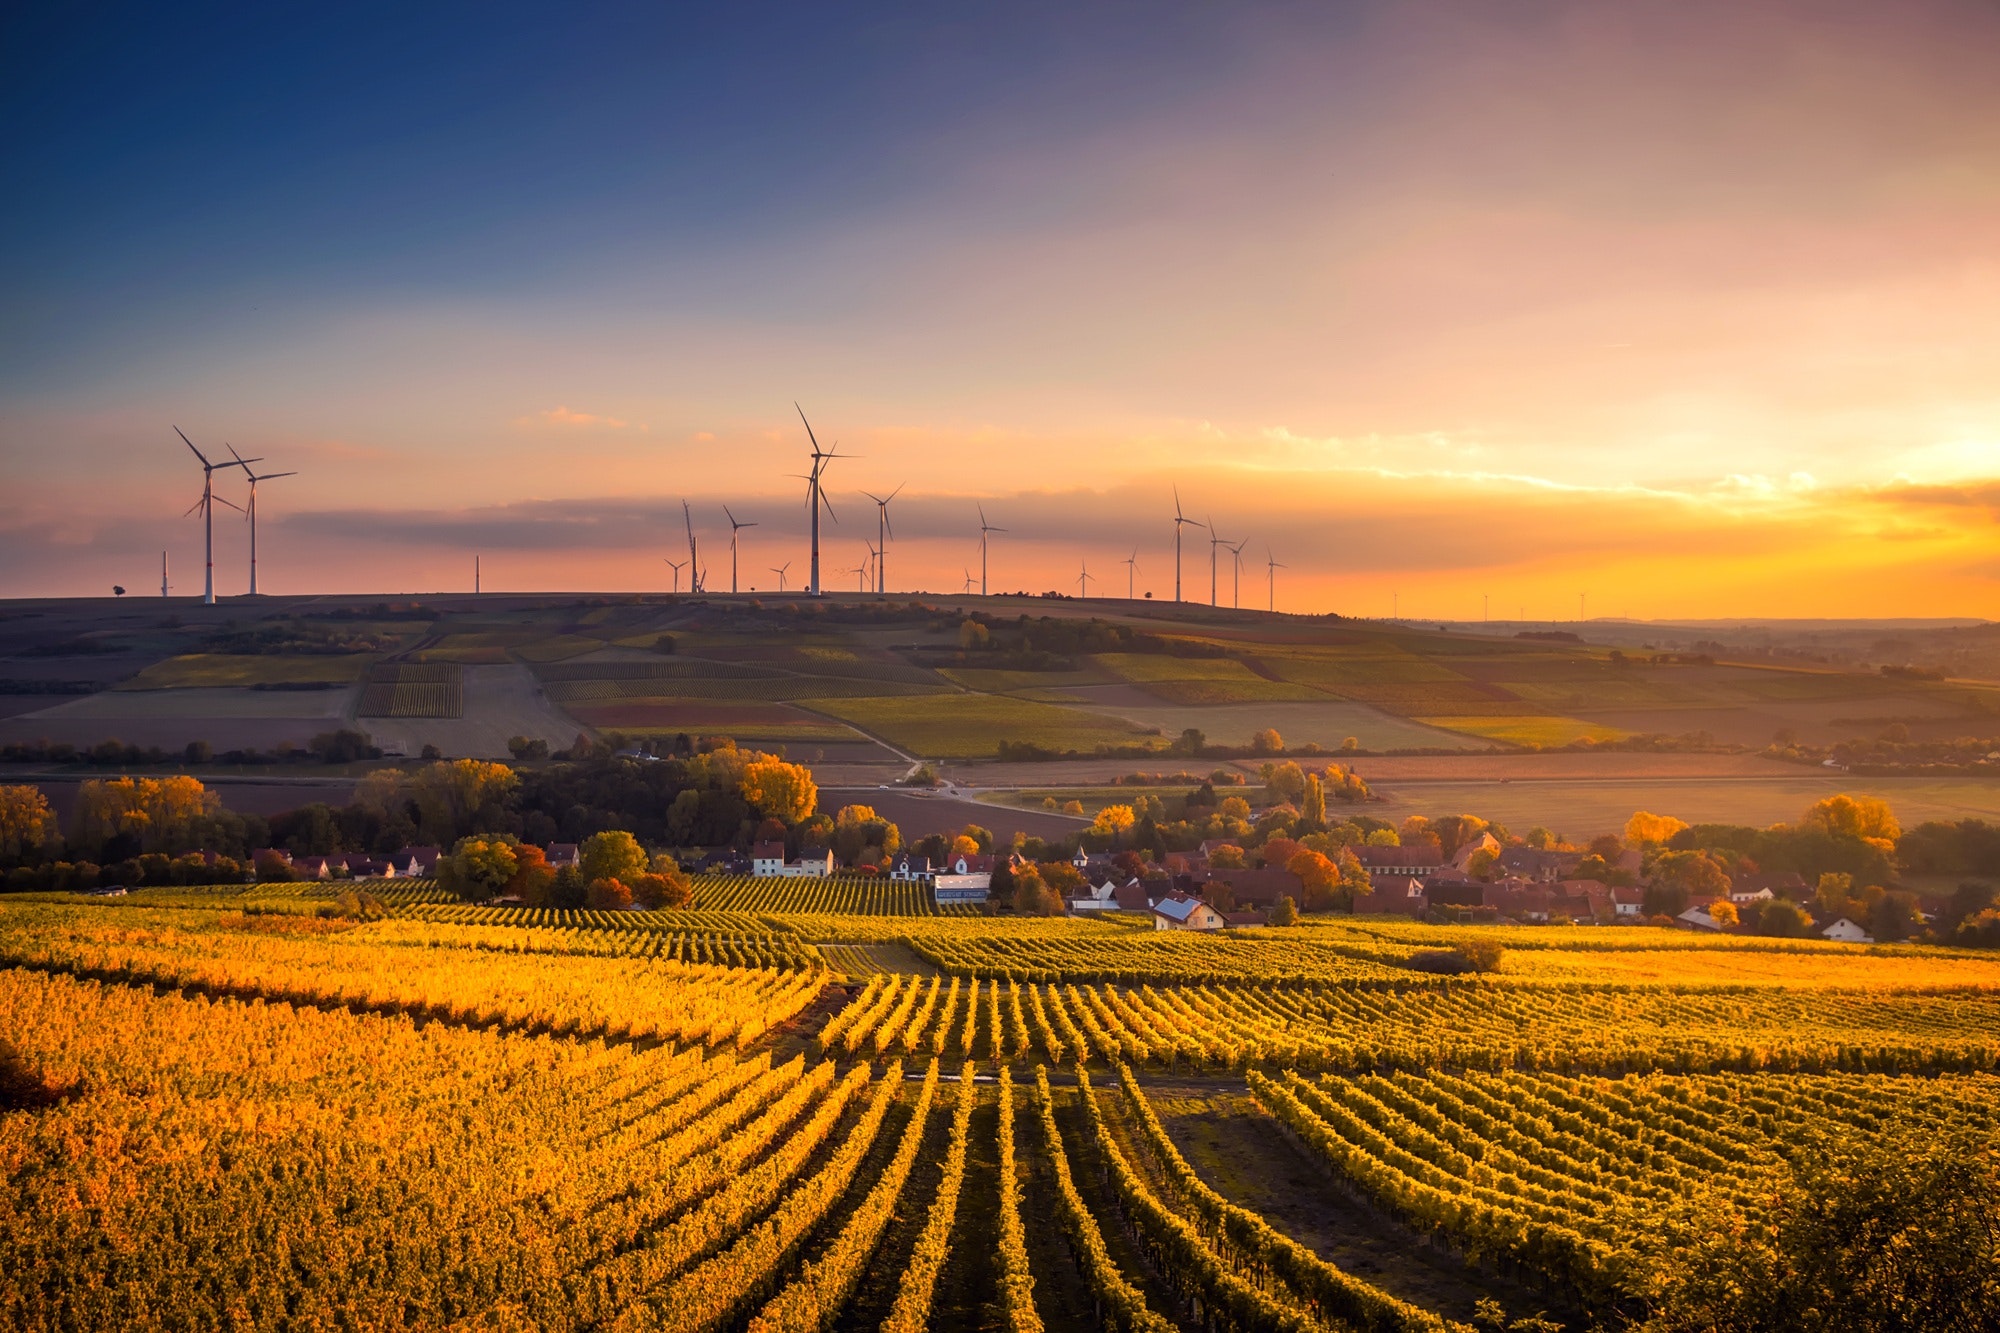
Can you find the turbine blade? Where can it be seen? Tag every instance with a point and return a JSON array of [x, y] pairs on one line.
[[190, 444]]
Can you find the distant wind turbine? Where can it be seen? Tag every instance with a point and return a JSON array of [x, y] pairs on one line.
[[734, 528], [694, 555], [883, 532], [205, 506], [967, 588], [860, 572], [984, 528], [677, 566], [250, 510], [1083, 580], [1131, 563], [816, 493], [1180, 520], [1272, 562], [1214, 540], [780, 570], [1236, 586]]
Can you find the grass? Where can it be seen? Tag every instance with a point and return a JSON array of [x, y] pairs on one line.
[[558, 648], [1539, 731], [1253, 690], [222, 670], [1144, 668], [955, 726]]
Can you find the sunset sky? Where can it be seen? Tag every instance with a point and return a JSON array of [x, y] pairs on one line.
[[1691, 306]]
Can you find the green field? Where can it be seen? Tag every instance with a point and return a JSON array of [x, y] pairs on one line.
[[1535, 731], [954, 726], [210, 670]]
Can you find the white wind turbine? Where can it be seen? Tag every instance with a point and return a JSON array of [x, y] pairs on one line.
[[984, 528], [1272, 562], [734, 527], [1131, 563], [1083, 580], [883, 532], [816, 493], [206, 507], [1180, 520], [780, 571], [250, 510], [677, 566]]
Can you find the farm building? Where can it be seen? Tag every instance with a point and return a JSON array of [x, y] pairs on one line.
[[1847, 932], [963, 879], [1181, 912]]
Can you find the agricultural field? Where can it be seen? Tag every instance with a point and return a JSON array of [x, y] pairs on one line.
[[813, 1106], [217, 670], [414, 689], [957, 725]]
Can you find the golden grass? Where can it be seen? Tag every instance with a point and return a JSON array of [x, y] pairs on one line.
[[1543, 731]]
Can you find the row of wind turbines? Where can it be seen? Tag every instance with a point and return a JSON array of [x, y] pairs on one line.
[[874, 569]]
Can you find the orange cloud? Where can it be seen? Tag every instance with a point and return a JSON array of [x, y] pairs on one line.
[[563, 416]]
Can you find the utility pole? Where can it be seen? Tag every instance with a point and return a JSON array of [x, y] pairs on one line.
[[475, 576]]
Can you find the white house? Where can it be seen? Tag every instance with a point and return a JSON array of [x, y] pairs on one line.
[[1180, 912], [767, 861], [910, 869], [1751, 896], [1103, 898], [1628, 904], [1845, 931], [963, 879]]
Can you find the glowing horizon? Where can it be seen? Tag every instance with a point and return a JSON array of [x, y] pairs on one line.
[[1690, 311]]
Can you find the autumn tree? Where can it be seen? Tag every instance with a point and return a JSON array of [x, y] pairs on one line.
[[1319, 878], [779, 790], [1286, 913], [26, 822], [1267, 741], [1113, 821], [478, 867], [1226, 857], [1644, 829], [1723, 912], [533, 875], [159, 814], [612, 854], [1285, 781], [1312, 804], [608, 895], [1865, 817], [461, 797]]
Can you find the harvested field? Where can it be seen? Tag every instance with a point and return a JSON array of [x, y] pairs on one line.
[[498, 702], [709, 718], [227, 719], [219, 670]]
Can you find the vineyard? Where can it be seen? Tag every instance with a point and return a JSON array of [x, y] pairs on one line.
[[414, 689], [809, 1104]]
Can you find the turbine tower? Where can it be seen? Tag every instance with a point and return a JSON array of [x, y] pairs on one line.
[[816, 494], [694, 556], [780, 571], [734, 528], [1236, 585], [984, 528], [860, 572], [250, 510], [1213, 541], [968, 582], [1083, 580], [677, 566], [1179, 520], [1272, 561], [206, 507], [163, 574], [1131, 563], [883, 532]]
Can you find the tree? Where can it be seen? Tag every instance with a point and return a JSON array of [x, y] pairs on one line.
[[1893, 917], [461, 797], [973, 636], [1312, 805], [1832, 894], [608, 895], [1286, 913], [1454, 831], [1844, 816], [1113, 821], [533, 875], [1541, 838], [1286, 781], [1892, 1231], [1382, 837], [1786, 920], [779, 790], [1062, 877], [1072, 807], [1723, 913], [1267, 741], [1644, 829], [1234, 807], [1226, 857], [26, 823], [1319, 878], [612, 854], [479, 867], [1483, 863], [155, 814]]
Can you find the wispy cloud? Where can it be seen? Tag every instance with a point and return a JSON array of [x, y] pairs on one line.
[[563, 416]]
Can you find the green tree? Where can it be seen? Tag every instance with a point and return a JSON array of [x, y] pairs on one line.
[[612, 854], [1312, 805], [1286, 913], [479, 867]]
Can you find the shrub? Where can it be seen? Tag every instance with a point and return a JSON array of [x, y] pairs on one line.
[[1482, 955], [607, 895], [1286, 913]]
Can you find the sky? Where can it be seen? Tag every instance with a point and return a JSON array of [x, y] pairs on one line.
[[1661, 310]]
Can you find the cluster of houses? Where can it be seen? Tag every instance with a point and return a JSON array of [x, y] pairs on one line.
[[407, 863]]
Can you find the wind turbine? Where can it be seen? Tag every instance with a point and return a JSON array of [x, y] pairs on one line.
[[816, 493], [1179, 520], [967, 588], [1213, 542], [250, 510], [883, 532], [875, 564], [984, 528], [677, 566], [206, 506], [694, 556], [1272, 561], [860, 572], [779, 570], [1131, 563], [734, 528], [1236, 585], [1083, 580]]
